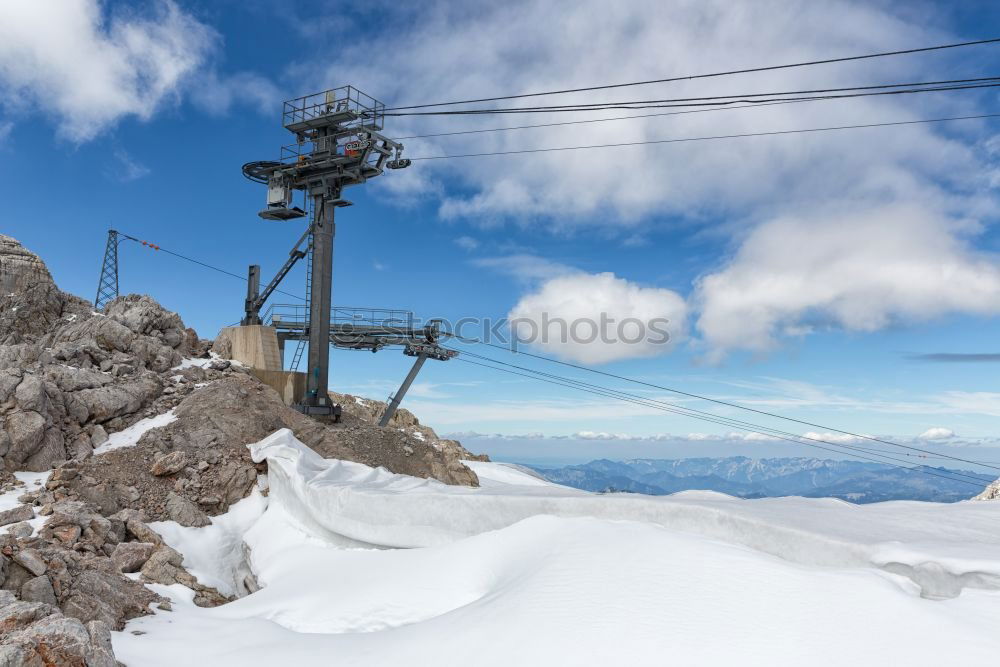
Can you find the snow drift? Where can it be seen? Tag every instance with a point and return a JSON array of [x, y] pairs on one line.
[[523, 571]]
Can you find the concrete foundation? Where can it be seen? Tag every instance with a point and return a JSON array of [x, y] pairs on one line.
[[255, 346], [289, 384]]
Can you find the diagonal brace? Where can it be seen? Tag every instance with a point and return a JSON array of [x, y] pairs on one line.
[[390, 409]]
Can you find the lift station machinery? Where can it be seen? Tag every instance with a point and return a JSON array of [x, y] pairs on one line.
[[338, 143]]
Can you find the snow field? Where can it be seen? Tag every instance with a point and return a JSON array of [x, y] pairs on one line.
[[518, 572]]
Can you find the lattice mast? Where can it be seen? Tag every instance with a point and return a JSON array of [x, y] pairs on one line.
[[107, 286]]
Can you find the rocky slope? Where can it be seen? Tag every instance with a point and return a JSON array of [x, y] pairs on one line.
[[138, 422], [991, 492]]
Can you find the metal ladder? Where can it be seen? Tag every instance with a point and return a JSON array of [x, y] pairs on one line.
[[300, 345]]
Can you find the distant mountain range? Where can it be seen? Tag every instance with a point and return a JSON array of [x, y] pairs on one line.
[[854, 481]]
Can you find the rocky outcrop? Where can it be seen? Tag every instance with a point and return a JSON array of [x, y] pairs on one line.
[[991, 492], [69, 376], [64, 590], [69, 379], [30, 302]]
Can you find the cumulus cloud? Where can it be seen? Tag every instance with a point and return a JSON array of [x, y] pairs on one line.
[[937, 433], [841, 197], [859, 270], [89, 65], [89, 70], [649, 40], [598, 318]]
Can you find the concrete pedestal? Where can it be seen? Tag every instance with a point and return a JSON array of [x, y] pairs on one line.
[[255, 346]]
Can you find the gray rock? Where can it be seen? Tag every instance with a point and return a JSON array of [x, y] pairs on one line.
[[142, 532], [20, 614], [38, 589], [98, 436], [169, 464], [22, 529], [185, 512], [31, 560], [163, 566], [100, 642], [57, 641], [131, 556], [16, 514]]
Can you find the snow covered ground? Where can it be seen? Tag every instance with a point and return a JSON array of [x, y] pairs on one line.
[[8, 499], [129, 437], [363, 567]]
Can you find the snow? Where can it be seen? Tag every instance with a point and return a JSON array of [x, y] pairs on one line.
[[130, 436], [214, 553], [8, 499], [188, 362], [522, 571], [192, 363]]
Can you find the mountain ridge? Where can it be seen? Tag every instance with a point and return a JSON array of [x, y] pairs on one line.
[[746, 477]]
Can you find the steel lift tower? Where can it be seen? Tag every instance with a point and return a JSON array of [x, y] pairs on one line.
[[338, 143]]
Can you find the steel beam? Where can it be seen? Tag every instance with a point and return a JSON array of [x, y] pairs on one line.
[[252, 309], [390, 409], [319, 303]]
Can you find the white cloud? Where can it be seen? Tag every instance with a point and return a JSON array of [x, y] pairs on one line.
[[89, 70], [128, 168], [217, 95], [507, 48], [600, 435], [859, 270], [937, 433], [5, 128], [971, 402], [846, 199], [597, 318], [833, 438], [525, 267], [467, 243]]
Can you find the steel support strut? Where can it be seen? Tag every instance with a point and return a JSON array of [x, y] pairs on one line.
[[320, 302], [390, 409], [253, 294]]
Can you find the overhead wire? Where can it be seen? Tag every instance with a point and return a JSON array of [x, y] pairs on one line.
[[206, 265], [741, 98], [728, 421], [599, 120], [706, 138], [722, 402], [691, 77], [837, 448]]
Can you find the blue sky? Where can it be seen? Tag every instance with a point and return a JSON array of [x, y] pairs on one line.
[[802, 274]]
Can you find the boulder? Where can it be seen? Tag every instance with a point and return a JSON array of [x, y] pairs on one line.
[[185, 512], [31, 560], [16, 514], [163, 566], [17, 614], [59, 641], [169, 464], [131, 556], [38, 589]]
